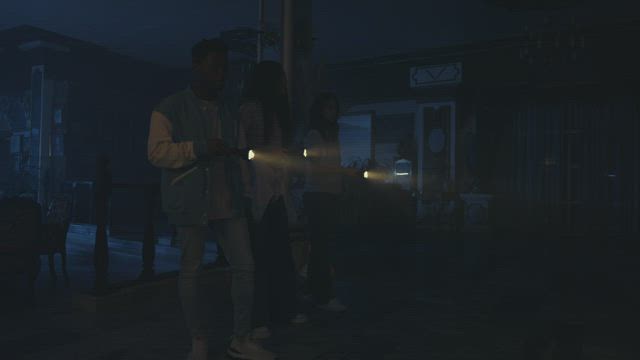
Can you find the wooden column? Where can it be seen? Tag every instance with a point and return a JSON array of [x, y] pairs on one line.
[[287, 42], [149, 242], [302, 69], [260, 31], [102, 194]]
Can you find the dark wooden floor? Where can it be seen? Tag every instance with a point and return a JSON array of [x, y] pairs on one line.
[[465, 296]]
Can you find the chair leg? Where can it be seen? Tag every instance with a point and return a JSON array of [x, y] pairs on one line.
[[52, 269], [32, 276], [63, 254]]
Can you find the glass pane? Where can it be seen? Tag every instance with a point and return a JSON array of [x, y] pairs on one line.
[[355, 139]]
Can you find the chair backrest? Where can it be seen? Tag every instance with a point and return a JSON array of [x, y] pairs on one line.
[[59, 210], [20, 222]]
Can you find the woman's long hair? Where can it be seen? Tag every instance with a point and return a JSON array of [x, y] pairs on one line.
[[328, 130], [267, 76]]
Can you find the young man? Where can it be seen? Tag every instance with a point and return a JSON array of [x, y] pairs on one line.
[[191, 138]]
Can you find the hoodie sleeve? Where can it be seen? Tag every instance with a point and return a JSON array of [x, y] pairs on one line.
[[162, 152]]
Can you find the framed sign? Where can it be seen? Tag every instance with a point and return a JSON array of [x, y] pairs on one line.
[[435, 75]]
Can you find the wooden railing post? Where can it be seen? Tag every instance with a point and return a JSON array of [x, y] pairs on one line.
[[149, 241], [102, 193]]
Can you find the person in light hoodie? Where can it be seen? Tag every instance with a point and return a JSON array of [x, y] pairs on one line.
[[194, 139]]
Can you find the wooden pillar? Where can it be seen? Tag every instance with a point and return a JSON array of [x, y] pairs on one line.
[[260, 31], [636, 170], [303, 84], [102, 193], [287, 41], [149, 242]]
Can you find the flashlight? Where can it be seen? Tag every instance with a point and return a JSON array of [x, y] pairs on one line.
[[304, 153], [365, 175], [251, 154]]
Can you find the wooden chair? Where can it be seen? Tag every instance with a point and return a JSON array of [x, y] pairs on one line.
[[449, 214], [20, 233], [55, 229]]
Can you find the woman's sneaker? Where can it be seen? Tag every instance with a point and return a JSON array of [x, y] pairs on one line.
[[300, 319], [261, 333], [248, 350], [334, 305]]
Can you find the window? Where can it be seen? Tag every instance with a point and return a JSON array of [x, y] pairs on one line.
[[58, 145], [392, 131], [394, 128], [57, 117], [356, 134], [16, 144]]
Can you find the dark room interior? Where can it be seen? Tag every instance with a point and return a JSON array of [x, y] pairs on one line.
[[319, 179]]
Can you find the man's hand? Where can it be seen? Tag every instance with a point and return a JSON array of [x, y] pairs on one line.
[[241, 153], [217, 147], [352, 172]]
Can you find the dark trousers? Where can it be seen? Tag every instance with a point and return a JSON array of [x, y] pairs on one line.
[[321, 209], [275, 278]]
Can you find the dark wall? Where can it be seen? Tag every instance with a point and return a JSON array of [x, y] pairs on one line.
[[607, 59], [554, 137], [107, 111]]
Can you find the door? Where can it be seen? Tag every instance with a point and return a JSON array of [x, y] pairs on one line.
[[435, 130]]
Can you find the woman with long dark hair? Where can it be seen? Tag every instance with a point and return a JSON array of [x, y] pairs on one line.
[[265, 118], [322, 188]]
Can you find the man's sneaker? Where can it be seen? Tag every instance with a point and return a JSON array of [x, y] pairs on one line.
[[334, 305], [261, 333], [248, 350], [299, 319], [306, 298]]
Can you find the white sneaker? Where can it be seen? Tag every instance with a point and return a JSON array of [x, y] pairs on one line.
[[261, 333], [304, 272], [249, 350], [300, 319], [334, 305]]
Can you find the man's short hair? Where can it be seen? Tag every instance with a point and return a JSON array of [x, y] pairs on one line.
[[200, 50]]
